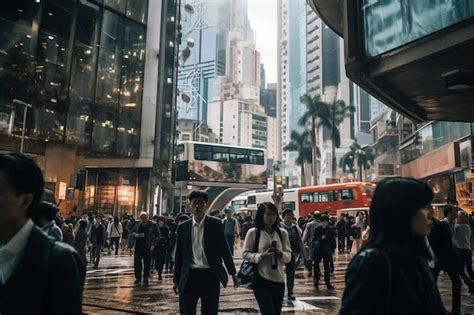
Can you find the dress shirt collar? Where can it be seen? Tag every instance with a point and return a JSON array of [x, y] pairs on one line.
[[199, 224], [17, 244]]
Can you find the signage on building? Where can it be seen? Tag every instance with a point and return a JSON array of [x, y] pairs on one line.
[[62, 191]]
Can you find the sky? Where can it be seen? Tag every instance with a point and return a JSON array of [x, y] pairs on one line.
[[263, 19]]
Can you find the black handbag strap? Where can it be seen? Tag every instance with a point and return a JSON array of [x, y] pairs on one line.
[[257, 240]]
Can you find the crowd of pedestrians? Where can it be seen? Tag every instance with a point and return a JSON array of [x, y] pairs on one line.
[[400, 250]]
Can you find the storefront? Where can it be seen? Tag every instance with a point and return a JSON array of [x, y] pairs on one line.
[[117, 191]]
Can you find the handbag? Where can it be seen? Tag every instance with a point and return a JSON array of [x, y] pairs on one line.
[[248, 272]]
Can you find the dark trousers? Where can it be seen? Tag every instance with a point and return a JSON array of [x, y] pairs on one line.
[[96, 250], [465, 264], [326, 258], [114, 241], [269, 296], [202, 284], [160, 259], [230, 241], [169, 261], [349, 243], [290, 274], [341, 243], [455, 284], [142, 260]]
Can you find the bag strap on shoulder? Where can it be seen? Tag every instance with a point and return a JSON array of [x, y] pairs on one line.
[[257, 240]]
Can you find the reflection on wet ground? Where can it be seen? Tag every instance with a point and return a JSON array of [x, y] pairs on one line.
[[110, 290]]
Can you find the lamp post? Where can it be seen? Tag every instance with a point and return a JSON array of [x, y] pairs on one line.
[[23, 129]]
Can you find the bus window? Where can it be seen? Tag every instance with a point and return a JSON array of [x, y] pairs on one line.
[[220, 154], [202, 152], [326, 196], [251, 200], [307, 197], [347, 194], [239, 156], [180, 152], [289, 204], [257, 157]]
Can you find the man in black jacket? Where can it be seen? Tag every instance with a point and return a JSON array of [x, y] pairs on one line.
[[146, 236], [201, 246], [441, 242], [341, 228], [97, 239], [37, 274], [324, 242]]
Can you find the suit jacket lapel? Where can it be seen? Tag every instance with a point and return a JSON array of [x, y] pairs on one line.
[[189, 236]]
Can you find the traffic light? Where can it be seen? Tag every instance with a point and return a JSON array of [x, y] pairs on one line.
[[278, 189]]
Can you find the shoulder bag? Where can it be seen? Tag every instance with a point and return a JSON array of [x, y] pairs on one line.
[[248, 272]]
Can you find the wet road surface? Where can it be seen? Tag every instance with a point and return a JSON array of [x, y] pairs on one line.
[[111, 290]]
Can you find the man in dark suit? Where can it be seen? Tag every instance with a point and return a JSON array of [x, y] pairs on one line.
[[440, 240], [37, 274], [200, 249]]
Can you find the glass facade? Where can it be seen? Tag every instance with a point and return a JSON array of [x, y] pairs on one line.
[[388, 24], [433, 136], [80, 65]]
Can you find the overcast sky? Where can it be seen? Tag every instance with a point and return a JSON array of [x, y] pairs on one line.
[[263, 19]]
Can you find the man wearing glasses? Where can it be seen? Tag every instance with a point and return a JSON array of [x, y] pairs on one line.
[[200, 249]]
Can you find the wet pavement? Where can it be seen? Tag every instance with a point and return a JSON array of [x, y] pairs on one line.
[[111, 290]]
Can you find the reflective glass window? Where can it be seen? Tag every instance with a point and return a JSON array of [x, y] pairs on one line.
[[51, 76], [118, 5], [388, 24], [16, 19], [137, 9], [81, 90], [108, 83], [133, 62]]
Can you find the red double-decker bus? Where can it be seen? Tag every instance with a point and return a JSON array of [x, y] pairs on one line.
[[334, 197]]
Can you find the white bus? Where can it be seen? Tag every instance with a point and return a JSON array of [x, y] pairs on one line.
[[290, 199], [209, 164]]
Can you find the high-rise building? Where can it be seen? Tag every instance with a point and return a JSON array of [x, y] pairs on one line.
[[86, 73]]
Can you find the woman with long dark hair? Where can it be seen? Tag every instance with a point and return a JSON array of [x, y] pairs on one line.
[[268, 246], [390, 275]]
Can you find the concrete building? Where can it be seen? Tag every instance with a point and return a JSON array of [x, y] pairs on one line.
[[193, 130]]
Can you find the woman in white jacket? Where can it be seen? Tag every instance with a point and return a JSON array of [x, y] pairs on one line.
[[268, 246]]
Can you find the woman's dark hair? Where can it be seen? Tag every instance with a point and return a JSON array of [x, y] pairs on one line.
[[161, 218], [24, 175], [82, 225], [116, 220], [395, 202], [259, 224]]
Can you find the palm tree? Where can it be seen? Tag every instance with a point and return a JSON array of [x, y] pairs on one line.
[[317, 114], [339, 111], [301, 144], [363, 155]]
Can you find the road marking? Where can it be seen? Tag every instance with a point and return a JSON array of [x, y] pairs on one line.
[[300, 306], [315, 298]]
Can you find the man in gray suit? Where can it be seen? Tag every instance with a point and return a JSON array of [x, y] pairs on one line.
[[200, 249]]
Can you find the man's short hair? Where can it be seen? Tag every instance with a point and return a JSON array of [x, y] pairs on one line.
[[324, 217], [317, 215], [24, 175], [198, 194], [45, 210]]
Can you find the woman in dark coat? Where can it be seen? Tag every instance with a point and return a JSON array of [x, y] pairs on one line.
[[390, 275]]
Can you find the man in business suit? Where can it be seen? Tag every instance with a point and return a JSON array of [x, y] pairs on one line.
[[38, 275], [200, 249]]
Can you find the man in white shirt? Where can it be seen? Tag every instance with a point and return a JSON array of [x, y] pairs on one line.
[[37, 274], [200, 249]]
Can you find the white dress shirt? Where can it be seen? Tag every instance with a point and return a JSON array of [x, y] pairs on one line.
[[11, 253], [199, 260]]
